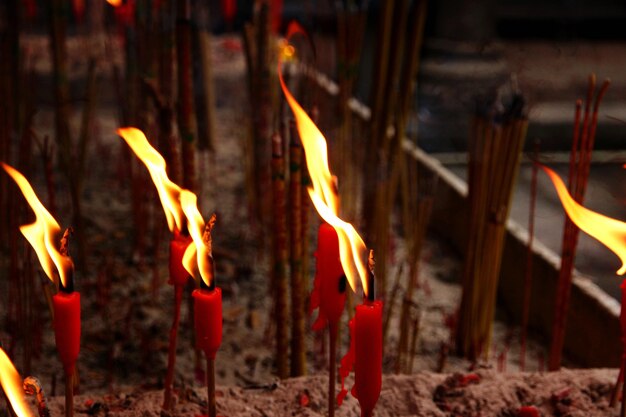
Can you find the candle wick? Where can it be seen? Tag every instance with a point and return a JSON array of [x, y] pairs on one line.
[[343, 283], [64, 247], [371, 286], [68, 264], [208, 242]]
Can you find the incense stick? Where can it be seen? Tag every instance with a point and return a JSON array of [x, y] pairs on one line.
[[279, 278], [298, 312], [580, 161], [528, 275]]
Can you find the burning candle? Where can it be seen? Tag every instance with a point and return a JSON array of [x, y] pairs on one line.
[[366, 349], [59, 267], [169, 194], [367, 337], [198, 258], [329, 295], [11, 382]]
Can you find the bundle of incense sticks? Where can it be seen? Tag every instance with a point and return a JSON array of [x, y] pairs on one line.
[[579, 164], [495, 144], [398, 53], [351, 20]]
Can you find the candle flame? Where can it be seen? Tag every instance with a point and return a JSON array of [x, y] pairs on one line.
[[169, 193], [198, 255], [12, 385], [115, 3], [352, 249], [43, 232], [610, 232]]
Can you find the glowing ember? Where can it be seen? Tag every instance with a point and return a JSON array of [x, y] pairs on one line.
[[169, 193], [12, 385], [115, 3], [42, 234], [353, 251], [609, 231], [201, 246]]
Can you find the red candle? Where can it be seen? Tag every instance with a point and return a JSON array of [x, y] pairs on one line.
[[368, 350], [329, 291], [67, 327], [622, 319], [622, 315], [229, 10], [208, 320], [178, 246]]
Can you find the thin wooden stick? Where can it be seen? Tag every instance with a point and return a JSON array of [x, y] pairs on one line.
[[623, 406], [528, 274], [279, 278], [618, 384], [298, 350], [171, 356], [414, 338], [203, 86], [210, 374], [332, 367], [391, 302], [69, 394], [186, 114]]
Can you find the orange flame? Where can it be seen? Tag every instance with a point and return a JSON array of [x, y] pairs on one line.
[[610, 232], [199, 248], [115, 3], [43, 232], [169, 192], [352, 249], [12, 385]]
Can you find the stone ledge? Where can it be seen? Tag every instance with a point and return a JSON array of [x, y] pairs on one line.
[[593, 329]]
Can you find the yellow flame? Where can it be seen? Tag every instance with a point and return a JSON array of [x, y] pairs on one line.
[[352, 249], [43, 232], [168, 191], [12, 385], [196, 257], [610, 232], [115, 3]]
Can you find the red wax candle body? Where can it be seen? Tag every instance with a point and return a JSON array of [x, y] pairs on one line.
[[368, 349], [67, 327], [622, 318], [329, 293], [208, 320], [178, 246], [622, 314], [229, 9]]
